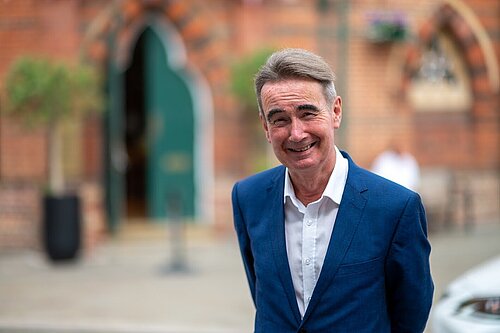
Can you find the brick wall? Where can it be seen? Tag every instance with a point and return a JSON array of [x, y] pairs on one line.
[[19, 216], [371, 77]]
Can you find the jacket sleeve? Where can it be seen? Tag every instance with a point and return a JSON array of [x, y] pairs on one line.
[[409, 285], [244, 241]]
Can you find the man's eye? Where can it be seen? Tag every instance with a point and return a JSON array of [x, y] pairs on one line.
[[279, 121], [308, 115]]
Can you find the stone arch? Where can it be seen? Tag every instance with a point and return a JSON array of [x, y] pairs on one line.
[[469, 36], [194, 26], [192, 20]]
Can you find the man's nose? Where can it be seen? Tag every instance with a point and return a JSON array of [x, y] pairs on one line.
[[297, 132]]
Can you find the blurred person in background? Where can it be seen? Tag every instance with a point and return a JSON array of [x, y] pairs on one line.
[[398, 165], [326, 246]]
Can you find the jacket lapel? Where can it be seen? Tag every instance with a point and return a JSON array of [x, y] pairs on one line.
[[346, 223], [277, 239]]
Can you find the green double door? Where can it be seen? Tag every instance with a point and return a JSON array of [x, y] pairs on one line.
[[167, 109]]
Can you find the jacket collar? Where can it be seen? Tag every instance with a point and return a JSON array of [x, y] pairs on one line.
[[277, 238]]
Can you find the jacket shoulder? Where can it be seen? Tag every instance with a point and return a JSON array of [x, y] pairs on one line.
[[261, 181], [377, 185]]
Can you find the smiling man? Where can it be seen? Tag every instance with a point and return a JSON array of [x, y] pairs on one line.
[[326, 246]]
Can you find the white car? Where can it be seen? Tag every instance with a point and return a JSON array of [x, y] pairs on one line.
[[471, 303]]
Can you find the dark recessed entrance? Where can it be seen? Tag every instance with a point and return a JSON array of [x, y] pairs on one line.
[[135, 134]]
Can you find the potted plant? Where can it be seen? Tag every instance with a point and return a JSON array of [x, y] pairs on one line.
[[44, 93]]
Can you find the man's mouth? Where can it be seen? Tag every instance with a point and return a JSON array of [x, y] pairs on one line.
[[302, 149]]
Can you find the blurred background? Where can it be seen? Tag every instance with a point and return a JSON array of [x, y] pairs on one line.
[[124, 125]]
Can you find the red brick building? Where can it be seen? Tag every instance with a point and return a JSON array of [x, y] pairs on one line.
[[172, 128]]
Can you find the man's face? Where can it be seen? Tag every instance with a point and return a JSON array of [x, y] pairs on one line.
[[300, 125]]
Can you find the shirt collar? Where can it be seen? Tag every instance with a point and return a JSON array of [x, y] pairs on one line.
[[334, 188]]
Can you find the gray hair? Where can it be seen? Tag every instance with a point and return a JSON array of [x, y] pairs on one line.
[[296, 63]]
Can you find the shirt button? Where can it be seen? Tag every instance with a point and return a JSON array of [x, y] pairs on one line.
[[308, 261], [309, 222]]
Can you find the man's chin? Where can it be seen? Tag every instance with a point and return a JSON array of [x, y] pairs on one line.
[[302, 165]]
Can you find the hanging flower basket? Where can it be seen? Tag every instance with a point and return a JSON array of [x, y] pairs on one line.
[[386, 26]]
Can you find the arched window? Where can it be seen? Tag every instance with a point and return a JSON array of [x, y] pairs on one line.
[[441, 82]]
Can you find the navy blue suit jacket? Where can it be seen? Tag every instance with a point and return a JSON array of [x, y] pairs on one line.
[[375, 277]]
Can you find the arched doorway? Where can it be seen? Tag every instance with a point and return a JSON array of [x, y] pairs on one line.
[[111, 41], [156, 130]]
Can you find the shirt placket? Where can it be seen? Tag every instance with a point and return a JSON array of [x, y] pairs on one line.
[[309, 228]]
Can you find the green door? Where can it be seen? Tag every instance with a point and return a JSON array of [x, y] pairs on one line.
[[170, 134], [115, 159]]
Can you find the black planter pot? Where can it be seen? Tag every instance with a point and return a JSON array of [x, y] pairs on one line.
[[61, 226]]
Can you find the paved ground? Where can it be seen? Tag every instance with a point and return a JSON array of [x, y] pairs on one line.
[[125, 284]]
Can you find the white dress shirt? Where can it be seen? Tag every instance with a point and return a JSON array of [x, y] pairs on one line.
[[308, 230]]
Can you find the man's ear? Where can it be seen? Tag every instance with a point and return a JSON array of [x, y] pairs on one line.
[[264, 125], [337, 112]]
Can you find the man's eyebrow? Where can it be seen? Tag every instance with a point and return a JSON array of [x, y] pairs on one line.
[[307, 107], [272, 112]]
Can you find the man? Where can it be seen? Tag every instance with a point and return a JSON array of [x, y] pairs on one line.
[[398, 165], [326, 245]]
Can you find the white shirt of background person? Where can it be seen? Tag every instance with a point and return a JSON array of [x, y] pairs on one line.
[[400, 167]]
